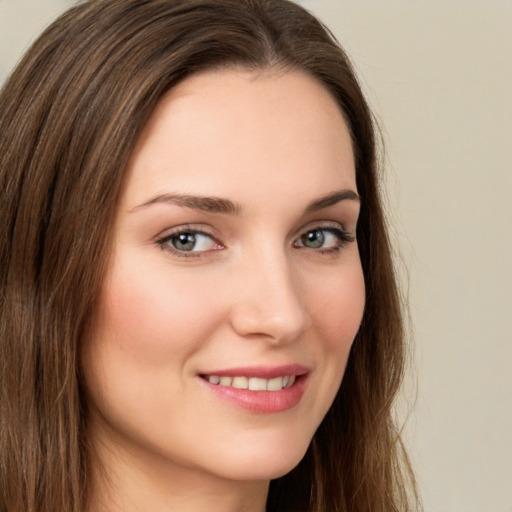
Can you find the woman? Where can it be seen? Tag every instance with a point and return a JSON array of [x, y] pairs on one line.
[[199, 308]]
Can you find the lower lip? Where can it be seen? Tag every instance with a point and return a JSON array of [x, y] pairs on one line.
[[262, 402]]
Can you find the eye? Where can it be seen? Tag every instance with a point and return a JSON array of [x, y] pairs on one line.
[[188, 241], [324, 238]]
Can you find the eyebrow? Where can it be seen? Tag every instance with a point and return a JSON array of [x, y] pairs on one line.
[[331, 199], [226, 206], [207, 204]]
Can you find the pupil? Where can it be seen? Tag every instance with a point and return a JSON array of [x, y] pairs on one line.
[[184, 241], [314, 239]]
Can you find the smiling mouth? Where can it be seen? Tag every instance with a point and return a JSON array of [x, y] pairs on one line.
[[259, 389], [252, 383]]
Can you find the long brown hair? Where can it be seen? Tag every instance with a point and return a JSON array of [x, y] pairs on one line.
[[70, 115]]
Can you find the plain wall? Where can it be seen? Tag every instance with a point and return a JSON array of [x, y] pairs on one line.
[[439, 76]]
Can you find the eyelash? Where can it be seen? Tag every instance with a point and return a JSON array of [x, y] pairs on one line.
[[342, 239], [165, 242]]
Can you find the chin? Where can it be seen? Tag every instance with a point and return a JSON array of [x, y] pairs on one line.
[[263, 464]]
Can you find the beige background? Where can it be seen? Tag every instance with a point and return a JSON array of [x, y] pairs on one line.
[[439, 75]]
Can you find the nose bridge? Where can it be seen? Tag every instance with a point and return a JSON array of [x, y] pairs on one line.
[[269, 302]]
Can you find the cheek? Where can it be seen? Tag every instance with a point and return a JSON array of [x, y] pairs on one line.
[[336, 306], [338, 309], [145, 333], [153, 316]]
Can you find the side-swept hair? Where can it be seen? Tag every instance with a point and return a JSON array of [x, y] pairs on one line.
[[70, 116]]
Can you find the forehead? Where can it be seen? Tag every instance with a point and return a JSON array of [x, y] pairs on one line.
[[233, 131]]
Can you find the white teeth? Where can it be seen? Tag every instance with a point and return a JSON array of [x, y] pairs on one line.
[[275, 384], [226, 381], [257, 384], [240, 382], [252, 383]]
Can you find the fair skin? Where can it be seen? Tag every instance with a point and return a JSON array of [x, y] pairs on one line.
[[263, 287]]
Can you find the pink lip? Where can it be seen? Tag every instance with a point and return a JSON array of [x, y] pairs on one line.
[[262, 402]]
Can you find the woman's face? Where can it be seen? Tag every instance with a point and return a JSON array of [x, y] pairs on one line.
[[235, 288]]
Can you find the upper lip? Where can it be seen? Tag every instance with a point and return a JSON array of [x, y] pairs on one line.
[[263, 372]]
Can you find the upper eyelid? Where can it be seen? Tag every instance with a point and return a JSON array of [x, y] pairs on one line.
[[187, 228], [321, 224], [344, 234], [330, 228]]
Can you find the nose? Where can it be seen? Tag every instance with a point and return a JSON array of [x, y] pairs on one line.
[[268, 303]]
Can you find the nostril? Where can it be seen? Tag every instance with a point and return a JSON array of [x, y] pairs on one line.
[[277, 327]]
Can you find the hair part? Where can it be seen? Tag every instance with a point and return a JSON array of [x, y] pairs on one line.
[[70, 116]]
